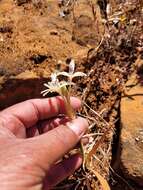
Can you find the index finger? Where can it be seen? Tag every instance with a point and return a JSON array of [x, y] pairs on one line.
[[31, 111]]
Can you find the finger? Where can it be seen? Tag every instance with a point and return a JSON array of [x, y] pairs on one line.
[[58, 141], [32, 132], [29, 112], [53, 123], [45, 126], [48, 125], [59, 172]]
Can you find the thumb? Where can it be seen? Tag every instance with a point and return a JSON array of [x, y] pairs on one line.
[[51, 146]]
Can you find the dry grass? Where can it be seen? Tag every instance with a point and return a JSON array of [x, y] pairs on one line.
[[115, 23]]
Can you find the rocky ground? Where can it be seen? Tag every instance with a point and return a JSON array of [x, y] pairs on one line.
[[39, 37]]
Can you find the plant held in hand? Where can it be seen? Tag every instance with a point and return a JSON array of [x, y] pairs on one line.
[[63, 88]]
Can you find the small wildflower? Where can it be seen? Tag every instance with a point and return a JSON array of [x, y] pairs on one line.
[[123, 18], [63, 88], [54, 86]]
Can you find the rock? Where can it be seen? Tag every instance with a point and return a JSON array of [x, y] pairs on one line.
[[25, 85], [131, 138], [139, 69]]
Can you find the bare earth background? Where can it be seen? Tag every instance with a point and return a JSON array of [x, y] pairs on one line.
[[39, 37]]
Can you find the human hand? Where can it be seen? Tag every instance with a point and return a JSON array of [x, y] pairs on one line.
[[27, 159]]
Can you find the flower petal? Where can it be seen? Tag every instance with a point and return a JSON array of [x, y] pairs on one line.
[[72, 66], [46, 85], [53, 77], [79, 74], [63, 74], [45, 92]]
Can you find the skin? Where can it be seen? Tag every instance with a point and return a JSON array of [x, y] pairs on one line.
[[33, 139]]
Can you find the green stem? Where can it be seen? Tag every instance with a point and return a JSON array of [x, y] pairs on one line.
[[69, 109], [72, 115]]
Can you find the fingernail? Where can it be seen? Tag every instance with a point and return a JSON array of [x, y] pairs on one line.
[[79, 126]]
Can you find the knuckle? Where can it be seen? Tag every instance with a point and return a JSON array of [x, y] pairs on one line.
[[65, 136]]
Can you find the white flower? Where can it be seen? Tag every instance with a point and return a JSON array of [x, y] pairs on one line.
[[54, 86], [71, 74]]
